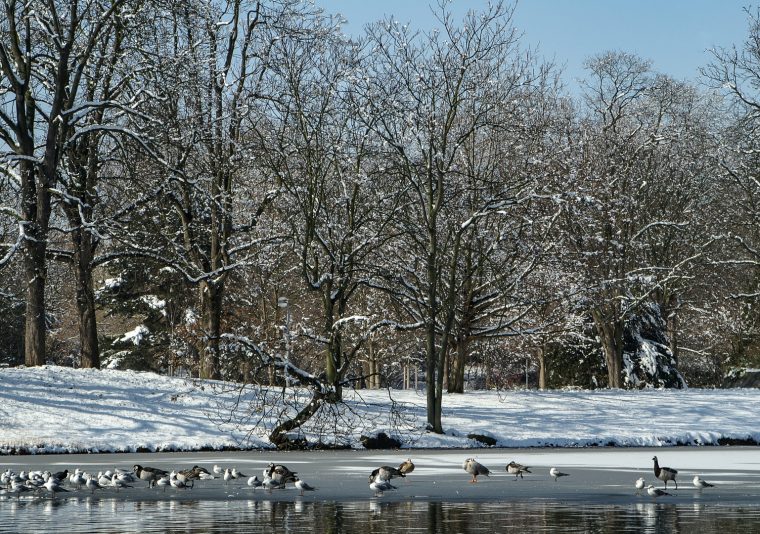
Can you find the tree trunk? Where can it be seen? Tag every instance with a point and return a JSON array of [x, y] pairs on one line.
[[542, 367], [456, 384], [34, 328], [611, 336], [88, 329], [211, 304]]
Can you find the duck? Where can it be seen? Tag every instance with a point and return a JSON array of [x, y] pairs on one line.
[[281, 474], [513, 468], [406, 467], [664, 473], [656, 492], [475, 468], [640, 485], [701, 484], [379, 486], [385, 472], [556, 473], [151, 474], [303, 486]]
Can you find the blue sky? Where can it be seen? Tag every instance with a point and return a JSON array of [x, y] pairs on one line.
[[674, 34]]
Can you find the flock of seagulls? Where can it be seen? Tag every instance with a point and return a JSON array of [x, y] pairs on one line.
[[274, 476]]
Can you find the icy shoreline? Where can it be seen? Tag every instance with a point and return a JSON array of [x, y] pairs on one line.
[[61, 410]]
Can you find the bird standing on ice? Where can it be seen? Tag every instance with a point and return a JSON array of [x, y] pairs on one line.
[[640, 485], [475, 468], [701, 484], [513, 468], [303, 486], [655, 492], [556, 473], [406, 467], [664, 473]]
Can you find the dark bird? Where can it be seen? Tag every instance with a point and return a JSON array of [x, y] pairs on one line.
[[664, 473], [475, 469], [281, 474], [513, 468], [151, 474], [406, 467], [385, 472]]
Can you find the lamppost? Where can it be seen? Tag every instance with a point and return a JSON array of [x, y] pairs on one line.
[[282, 302]]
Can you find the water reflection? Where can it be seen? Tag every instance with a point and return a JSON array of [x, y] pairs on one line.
[[368, 517]]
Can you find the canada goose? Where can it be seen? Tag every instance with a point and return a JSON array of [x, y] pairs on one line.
[[513, 468], [281, 474], [151, 474], [385, 472], [475, 468], [664, 473]]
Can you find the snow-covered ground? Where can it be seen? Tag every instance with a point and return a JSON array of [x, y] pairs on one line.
[[57, 409]]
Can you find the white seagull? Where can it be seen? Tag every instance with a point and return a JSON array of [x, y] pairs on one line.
[[218, 470], [556, 473], [254, 482], [701, 484], [640, 485], [303, 486], [655, 492]]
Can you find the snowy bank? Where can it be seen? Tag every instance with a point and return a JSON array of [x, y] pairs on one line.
[[57, 409]]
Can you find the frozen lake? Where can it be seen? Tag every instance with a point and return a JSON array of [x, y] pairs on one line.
[[599, 494]]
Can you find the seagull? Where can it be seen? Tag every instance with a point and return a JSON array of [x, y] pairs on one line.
[[655, 492], [269, 483], [237, 474], [640, 485], [385, 472], [118, 483], [18, 488], [254, 482], [701, 484], [77, 479], [53, 486], [163, 482], [664, 473], [475, 468], [227, 476], [218, 470], [379, 486], [303, 486], [92, 484], [151, 474], [177, 483], [103, 480], [406, 467], [516, 469], [556, 473]]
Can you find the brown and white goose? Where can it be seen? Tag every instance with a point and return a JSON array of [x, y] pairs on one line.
[[406, 467], [513, 468], [475, 468], [385, 472], [664, 473]]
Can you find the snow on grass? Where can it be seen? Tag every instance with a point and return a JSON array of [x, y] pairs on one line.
[[58, 409]]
